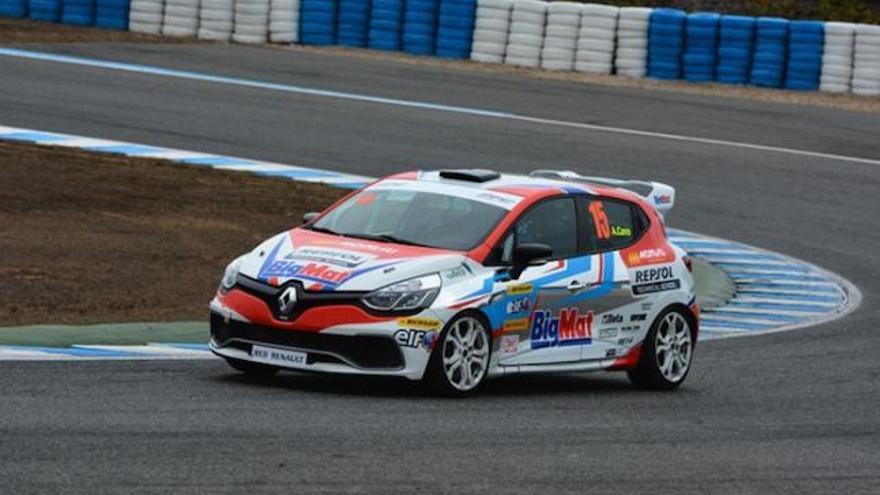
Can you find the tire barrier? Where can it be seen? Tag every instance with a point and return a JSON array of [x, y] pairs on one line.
[[352, 23], [386, 23], [181, 18], [491, 30], [14, 8], [596, 39], [251, 21], [736, 42], [561, 35], [145, 16], [317, 22], [283, 21], [666, 43], [216, 20], [805, 42], [455, 28], [663, 43], [866, 71], [45, 10], [420, 26], [837, 57], [112, 14], [526, 36], [769, 56], [631, 53], [78, 12], [701, 52]]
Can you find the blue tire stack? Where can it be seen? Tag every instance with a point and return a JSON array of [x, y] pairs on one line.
[[806, 42], [112, 14], [13, 8], [736, 40], [386, 23], [666, 36], [701, 47], [45, 10], [317, 22], [455, 28], [354, 18], [771, 46], [420, 26], [78, 12]]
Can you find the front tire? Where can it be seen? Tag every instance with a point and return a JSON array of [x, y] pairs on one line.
[[667, 352], [256, 370], [460, 362]]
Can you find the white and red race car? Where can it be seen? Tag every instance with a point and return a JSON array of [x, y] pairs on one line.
[[455, 276]]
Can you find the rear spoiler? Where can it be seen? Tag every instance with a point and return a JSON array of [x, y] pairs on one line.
[[659, 195]]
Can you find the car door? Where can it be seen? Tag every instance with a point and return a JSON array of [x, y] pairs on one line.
[[619, 318], [543, 322]]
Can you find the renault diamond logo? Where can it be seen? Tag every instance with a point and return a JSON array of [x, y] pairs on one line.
[[287, 301]]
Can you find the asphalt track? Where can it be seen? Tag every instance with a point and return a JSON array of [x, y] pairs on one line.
[[793, 412]]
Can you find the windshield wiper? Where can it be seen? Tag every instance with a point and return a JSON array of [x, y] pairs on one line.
[[386, 238], [324, 230]]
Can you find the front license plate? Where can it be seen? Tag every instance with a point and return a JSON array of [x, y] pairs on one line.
[[281, 357]]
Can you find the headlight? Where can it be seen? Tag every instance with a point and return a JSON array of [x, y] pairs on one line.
[[412, 294], [230, 275]]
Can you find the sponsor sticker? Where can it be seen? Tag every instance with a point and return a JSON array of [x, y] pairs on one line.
[[625, 341], [517, 325], [338, 257], [641, 290], [654, 279], [520, 304], [611, 319], [611, 353], [415, 338], [648, 256], [419, 323], [568, 328], [455, 273], [519, 290], [638, 317], [313, 271], [607, 333], [509, 344], [281, 357]]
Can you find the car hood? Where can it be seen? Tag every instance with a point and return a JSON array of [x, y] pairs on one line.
[[325, 262]]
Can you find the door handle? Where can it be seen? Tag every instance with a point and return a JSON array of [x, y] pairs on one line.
[[577, 286]]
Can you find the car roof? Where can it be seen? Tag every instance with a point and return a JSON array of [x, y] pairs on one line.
[[524, 186]]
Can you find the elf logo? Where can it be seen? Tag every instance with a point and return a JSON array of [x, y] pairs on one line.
[[569, 328]]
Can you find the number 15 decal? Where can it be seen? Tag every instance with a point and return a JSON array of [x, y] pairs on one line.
[[600, 220]]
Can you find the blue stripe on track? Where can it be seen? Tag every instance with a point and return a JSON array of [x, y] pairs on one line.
[[745, 315], [294, 174], [33, 136], [695, 246], [717, 325], [190, 347], [742, 256], [776, 276], [804, 308], [793, 297], [76, 351], [783, 267], [216, 160], [125, 149], [805, 288]]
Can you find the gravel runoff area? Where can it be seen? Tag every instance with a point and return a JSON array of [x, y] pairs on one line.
[[91, 238], [26, 31]]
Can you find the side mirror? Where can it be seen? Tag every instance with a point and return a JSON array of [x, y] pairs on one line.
[[310, 216], [528, 254]]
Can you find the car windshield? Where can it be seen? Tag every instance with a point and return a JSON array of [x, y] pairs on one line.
[[413, 217]]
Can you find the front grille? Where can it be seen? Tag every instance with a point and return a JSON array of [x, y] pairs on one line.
[[360, 350]]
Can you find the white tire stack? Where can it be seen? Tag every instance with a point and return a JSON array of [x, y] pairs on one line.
[[866, 69], [837, 57], [251, 21], [526, 33], [491, 31], [631, 55], [215, 20], [561, 35], [181, 18], [145, 16], [595, 44], [284, 21]]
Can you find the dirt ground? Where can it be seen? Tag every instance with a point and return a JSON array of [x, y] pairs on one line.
[[25, 31], [89, 238]]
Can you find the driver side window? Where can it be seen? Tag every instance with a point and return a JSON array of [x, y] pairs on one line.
[[552, 222]]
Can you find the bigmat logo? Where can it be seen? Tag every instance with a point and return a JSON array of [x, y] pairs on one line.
[[569, 328], [313, 271]]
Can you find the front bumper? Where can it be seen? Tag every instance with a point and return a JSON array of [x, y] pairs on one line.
[[360, 354]]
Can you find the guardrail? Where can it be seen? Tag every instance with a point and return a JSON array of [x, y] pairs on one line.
[[636, 42]]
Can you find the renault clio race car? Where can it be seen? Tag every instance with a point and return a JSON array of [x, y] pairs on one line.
[[456, 276]]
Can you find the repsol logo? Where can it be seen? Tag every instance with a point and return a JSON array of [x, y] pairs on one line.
[[649, 275]]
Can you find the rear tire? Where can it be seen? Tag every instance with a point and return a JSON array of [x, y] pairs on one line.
[[460, 361], [667, 353], [252, 369]]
